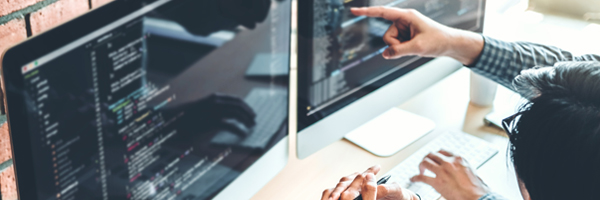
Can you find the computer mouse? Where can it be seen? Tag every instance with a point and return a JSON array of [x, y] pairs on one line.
[[236, 126]]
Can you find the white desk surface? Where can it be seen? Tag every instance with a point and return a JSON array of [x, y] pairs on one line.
[[446, 103]]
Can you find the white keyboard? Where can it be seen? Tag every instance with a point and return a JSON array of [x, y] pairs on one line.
[[476, 151]]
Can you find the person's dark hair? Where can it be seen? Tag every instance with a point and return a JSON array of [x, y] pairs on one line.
[[555, 142]]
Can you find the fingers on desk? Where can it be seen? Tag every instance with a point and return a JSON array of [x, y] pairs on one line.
[[343, 185], [425, 179], [369, 188], [374, 169], [438, 158], [433, 162], [350, 185], [446, 152], [349, 177], [354, 189], [326, 194], [429, 164]]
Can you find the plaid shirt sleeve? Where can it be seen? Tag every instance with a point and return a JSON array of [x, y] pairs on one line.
[[492, 196], [503, 61]]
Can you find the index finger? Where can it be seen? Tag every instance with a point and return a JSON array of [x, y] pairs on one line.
[[446, 152], [374, 169], [429, 164], [354, 189], [380, 11], [437, 157], [343, 185]]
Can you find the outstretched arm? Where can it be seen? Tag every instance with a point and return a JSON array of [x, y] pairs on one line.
[[412, 33], [503, 61]]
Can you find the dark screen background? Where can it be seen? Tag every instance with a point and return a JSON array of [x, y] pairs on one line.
[[340, 54], [155, 109]]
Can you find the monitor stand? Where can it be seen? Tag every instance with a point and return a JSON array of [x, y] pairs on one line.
[[390, 132]]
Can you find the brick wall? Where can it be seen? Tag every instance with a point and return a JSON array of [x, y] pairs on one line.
[[20, 19]]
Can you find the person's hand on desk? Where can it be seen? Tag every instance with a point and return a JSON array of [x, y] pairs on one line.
[[454, 178], [412, 33], [365, 184]]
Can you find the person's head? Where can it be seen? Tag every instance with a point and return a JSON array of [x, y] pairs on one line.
[[555, 138]]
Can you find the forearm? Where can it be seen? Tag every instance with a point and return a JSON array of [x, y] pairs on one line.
[[464, 46], [502, 61]]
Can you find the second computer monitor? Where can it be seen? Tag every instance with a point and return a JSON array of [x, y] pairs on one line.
[[343, 81], [154, 99]]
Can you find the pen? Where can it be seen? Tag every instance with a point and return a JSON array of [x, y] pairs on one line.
[[382, 180]]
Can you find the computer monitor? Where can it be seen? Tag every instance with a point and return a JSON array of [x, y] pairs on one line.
[[152, 100], [343, 81]]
